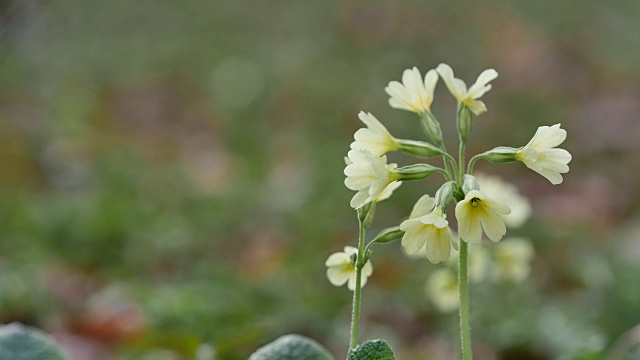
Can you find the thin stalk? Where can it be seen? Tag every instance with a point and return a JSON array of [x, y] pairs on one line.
[[463, 285], [461, 163], [355, 315]]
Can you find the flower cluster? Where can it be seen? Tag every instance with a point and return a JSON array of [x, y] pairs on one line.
[[483, 205]]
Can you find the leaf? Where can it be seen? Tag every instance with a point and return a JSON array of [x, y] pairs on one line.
[[372, 350], [20, 342], [292, 347]]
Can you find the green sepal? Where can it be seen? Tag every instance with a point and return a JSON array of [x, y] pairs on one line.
[[292, 347], [20, 342], [417, 171], [431, 127], [458, 194], [419, 148], [389, 235], [444, 195], [469, 183], [372, 350], [499, 155], [464, 121]]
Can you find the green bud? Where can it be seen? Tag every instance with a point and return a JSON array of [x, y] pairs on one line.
[[464, 122], [431, 127], [419, 148], [366, 214], [444, 195], [389, 235], [458, 194], [469, 183], [417, 171], [501, 154]]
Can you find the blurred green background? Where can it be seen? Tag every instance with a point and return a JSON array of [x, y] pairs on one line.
[[171, 172]]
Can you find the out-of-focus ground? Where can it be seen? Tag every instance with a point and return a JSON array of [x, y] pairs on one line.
[[171, 172]]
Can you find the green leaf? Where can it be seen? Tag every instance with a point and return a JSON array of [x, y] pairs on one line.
[[20, 342], [292, 347], [372, 350]]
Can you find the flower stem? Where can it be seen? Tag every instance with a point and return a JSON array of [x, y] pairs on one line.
[[355, 315], [463, 286]]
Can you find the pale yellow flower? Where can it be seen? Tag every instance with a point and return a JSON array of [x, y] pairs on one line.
[[375, 138], [428, 231], [477, 212], [442, 290], [513, 260], [542, 156], [413, 93], [506, 193], [370, 176], [341, 268], [459, 90]]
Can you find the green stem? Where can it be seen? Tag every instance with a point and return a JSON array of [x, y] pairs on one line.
[[355, 316], [471, 163], [463, 285], [461, 163]]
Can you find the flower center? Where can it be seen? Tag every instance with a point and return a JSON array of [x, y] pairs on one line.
[[475, 201]]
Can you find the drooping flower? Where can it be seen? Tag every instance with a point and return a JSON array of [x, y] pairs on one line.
[[513, 260], [506, 193], [429, 231], [370, 176], [469, 97], [375, 138], [477, 212], [442, 290], [341, 268], [542, 156], [413, 94]]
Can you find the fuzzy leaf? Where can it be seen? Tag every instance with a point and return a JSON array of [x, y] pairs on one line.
[[372, 350], [20, 342], [292, 347]]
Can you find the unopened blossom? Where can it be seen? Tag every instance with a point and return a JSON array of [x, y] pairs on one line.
[[375, 138], [542, 156], [341, 268], [469, 97], [413, 93], [513, 258], [442, 290], [429, 231], [478, 212], [370, 176], [506, 193]]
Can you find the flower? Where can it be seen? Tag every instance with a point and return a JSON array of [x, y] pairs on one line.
[[413, 94], [513, 260], [429, 231], [442, 290], [459, 90], [477, 209], [541, 156], [375, 138], [370, 176], [341, 268], [505, 193]]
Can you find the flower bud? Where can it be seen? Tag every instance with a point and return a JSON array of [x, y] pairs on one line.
[[431, 127], [418, 148], [444, 195]]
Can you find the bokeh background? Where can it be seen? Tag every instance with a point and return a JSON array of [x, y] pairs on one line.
[[171, 172]]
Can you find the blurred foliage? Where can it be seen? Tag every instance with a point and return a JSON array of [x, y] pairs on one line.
[[171, 172]]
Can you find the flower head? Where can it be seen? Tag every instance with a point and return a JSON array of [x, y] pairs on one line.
[[505, 193], [413, 93], [370, 176], [442, 289], [477, 212], [541, 156], [375, 138], [341, 268], [429, 231], [459, 90], [513, 260]]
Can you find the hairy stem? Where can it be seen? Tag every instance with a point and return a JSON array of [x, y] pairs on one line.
[[355, 315], [463, 285]]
